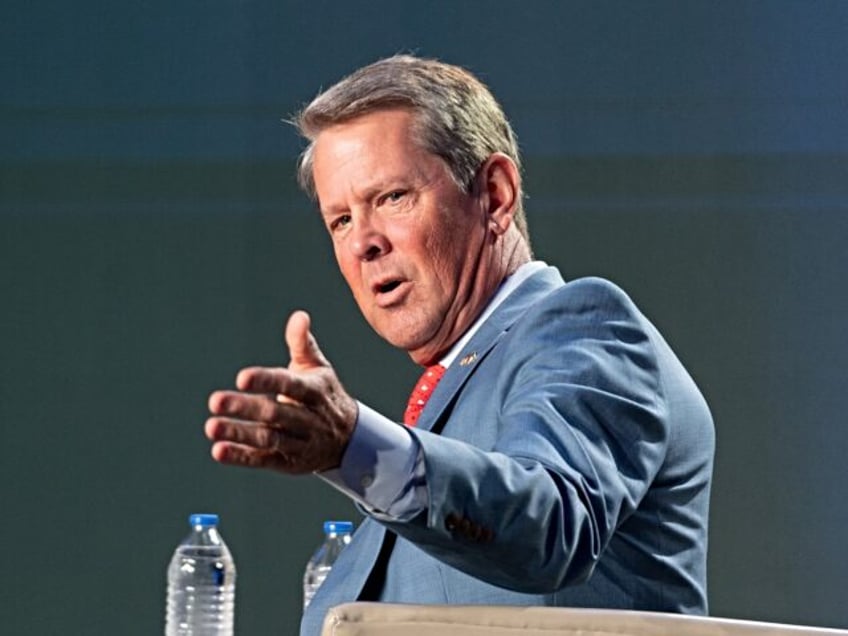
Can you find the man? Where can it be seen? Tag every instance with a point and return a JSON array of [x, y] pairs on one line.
[[565, 456]]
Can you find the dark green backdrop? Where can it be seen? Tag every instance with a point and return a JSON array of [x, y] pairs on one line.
[[152, 242]]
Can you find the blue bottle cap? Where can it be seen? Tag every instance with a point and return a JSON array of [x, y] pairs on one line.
[[204, 520], [335, 527]]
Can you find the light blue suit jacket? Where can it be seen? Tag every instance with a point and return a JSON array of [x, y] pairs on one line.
[[568, 461]]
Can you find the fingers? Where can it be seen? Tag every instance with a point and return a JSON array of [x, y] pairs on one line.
[[274, 382], [238, 455], [246, 418], [303, 348], [242, 433], [245, 406], [261, 435], [279, 445]]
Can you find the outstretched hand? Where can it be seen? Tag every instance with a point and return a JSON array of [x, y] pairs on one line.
[[295, 420]]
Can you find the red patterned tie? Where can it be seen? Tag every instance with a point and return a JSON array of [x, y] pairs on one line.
[[421, 393]]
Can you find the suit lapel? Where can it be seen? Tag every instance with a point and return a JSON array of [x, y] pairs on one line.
[[491, 331]]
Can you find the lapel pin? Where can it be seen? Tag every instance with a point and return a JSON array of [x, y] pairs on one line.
[[471, 357]]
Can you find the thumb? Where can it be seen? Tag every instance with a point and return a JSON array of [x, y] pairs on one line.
[[303, 348]]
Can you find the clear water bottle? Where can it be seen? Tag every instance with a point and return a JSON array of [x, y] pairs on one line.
[[201, 583], [337, 535]]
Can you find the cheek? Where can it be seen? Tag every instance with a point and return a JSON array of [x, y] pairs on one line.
[[450, 247], [349, 268]]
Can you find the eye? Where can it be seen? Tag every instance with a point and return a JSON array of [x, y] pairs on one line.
[[395, 196], [339, 222]]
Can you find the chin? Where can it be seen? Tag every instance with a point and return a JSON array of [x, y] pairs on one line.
[[404, 328], [400, 341], [406, 339]]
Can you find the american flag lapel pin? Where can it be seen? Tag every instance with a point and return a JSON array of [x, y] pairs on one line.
[[471, 357]]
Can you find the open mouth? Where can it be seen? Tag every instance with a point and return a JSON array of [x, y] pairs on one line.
[[385, 288], [390, 292]]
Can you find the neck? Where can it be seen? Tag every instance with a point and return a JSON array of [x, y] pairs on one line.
[[508, 253]]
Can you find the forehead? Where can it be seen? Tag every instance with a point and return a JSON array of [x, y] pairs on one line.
[[369, 149], [379, 130]]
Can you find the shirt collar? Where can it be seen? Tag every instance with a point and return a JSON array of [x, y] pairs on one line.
[[509, 284]]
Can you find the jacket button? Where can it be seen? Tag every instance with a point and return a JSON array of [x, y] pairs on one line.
[[451, 522], [465, 526]]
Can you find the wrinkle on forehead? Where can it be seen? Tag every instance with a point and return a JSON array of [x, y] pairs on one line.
[[354, 161]]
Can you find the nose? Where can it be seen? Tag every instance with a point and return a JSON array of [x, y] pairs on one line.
[[368, 242]]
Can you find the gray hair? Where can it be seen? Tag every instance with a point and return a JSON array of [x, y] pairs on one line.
[[457, 117]]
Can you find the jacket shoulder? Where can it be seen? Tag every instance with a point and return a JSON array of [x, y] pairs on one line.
[[591, 297]]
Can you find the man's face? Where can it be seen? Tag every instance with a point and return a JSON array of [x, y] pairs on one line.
[[410, 244]]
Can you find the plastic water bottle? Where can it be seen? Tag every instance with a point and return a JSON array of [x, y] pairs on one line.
[[201, 583], [336, 537]]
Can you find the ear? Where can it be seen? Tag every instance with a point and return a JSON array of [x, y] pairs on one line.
[[500, 184]]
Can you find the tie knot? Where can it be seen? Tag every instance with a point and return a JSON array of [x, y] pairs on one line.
[[421, 393]]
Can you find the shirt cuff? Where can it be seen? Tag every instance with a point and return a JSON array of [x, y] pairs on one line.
[[379, 466]]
